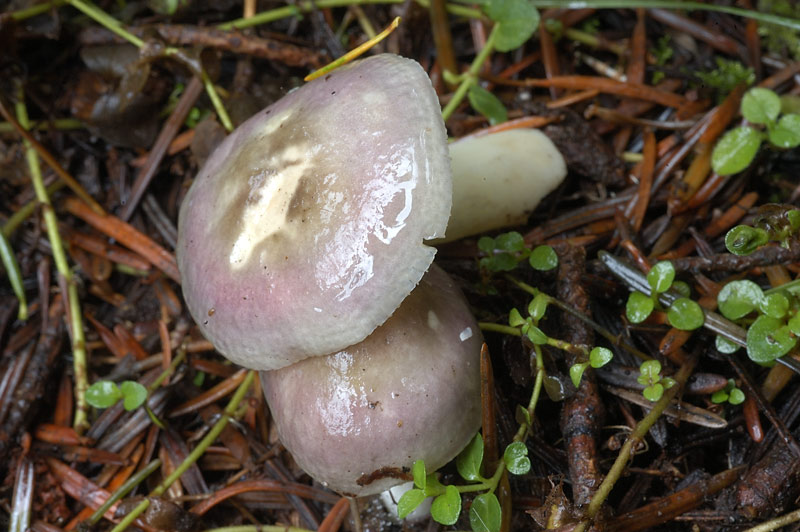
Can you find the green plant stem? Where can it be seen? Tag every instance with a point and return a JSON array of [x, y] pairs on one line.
[[195, 455], [123, 490], [9, 261], [79, 363], [497, 327], [112, 24], [180, 357], [36, 10], [258, 528], [106, 20], [58, 124], [669, 4], [471, 76], [307, 6], [626, 451], [599, 329]]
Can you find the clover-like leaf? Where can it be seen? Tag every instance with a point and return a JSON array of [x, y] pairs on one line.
[[543, 258], [133, 393], [485, 514], [724, 345], [488, 105], [685, 314], [654, 392], [760, 105], [517, 21], [768, 338], [660, 276], [469, 460], [576, 373], [736, 150], [537, 307], [786, 133], [103, 394], [638, 307], [739, 298], [515, 319], [775, 304], [447, 506], [600, 356], [419, 474], [510, 242], [409, 502], [516, 458], [536, 335], [743, 239]]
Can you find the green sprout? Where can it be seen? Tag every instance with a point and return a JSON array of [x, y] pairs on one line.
[[684, 313], [103, 394], [730, 394], [650, 377], [738, 147], [505, 251], [598, 357]]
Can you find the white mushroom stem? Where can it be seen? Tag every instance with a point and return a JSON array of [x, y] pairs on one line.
[[499, 179]]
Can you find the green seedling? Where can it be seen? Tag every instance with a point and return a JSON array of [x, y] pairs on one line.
[[684, 313], [738, 147], [654, 383], [730, 394], [104, 394], [598, 357], [505, 251]]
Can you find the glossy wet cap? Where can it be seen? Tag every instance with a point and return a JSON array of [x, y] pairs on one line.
[[358, 419], [304, 230]]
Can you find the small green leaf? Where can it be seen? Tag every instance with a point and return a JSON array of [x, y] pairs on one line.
[[653, 392], [419, 474], [488, 105], [522, 416], [660, 276], [469, 460], [409, 502], [768, 338], [736, 397], [485, 514], [134, 394], [638, 307], [737, 299], [103, 394], [786, 133], [668, 382], [510, 242], [600, 356], [685, 314], [446, 507], [743, 239], [543, 258], [761, 106], [682, 288], [775, 305], [650, 371], [724, 345], [517, 21], [501, 262], [432, 485], [794, 324], [537, 307], [515, 319], [516, 458], [720, 396], [736, 150], [576, 373], [536, 335], [486, 244]]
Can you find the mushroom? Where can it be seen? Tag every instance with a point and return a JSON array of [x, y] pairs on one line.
[[499, 179], [356, 420], [304, 229]]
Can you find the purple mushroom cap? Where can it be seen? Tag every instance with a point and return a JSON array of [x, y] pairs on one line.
[[304, 230], [358, 419]]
